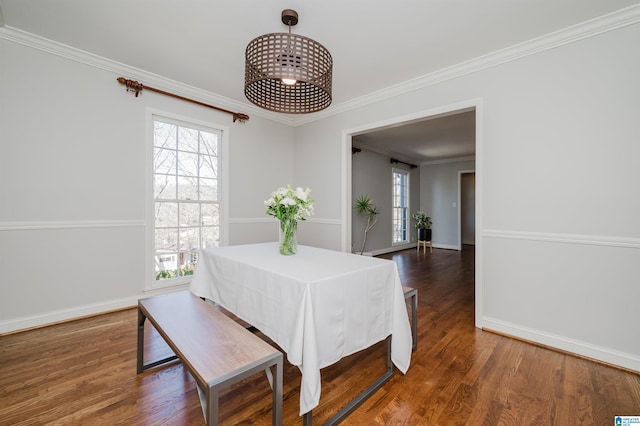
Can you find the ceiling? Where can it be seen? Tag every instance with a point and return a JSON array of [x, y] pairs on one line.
[[375, 44], [439, 138]]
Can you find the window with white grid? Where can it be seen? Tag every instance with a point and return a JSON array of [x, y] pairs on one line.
[[186, 206], [400, 206]]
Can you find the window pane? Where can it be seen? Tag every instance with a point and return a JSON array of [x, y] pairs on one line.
[[165, 265], [189, 214], [164, 187], [166, 240], [187, 164], [166, 215], [210, 236], [210, 214], [164, 161], [208, 166], [187, 188], [208, 143], [208, 189], [189, 239], [164, 135], [188, 139], [186, 263]]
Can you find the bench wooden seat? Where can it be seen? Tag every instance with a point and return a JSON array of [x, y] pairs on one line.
[[412, 293], [216, 350]]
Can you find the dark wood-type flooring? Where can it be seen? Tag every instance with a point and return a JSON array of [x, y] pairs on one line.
[[84, 373]]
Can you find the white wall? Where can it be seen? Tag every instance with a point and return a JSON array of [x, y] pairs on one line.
[[439, 198], [558, 240], [371, 176], [73, 150]]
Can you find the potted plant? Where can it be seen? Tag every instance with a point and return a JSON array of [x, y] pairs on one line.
[[364, 206], [423, 225]]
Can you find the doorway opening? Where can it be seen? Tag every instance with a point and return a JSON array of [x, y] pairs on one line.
[[348, 148]]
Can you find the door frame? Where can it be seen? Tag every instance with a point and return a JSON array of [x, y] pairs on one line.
[[460, 173], [346, 195]]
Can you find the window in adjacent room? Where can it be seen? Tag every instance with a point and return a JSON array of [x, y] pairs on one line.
[[400, 206], [186, 206]]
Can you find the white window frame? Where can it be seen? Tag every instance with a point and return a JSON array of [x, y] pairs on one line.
[[152, 114], [407, 239]]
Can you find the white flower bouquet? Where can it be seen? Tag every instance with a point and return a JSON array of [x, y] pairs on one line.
[[289, 206]]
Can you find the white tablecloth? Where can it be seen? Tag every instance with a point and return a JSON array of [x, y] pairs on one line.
[[317, 305]]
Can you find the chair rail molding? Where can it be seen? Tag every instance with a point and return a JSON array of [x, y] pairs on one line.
[[80, 224], [582, 239]]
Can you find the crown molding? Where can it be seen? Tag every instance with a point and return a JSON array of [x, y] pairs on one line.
[[609, 22], [449, 160], [33, 41]]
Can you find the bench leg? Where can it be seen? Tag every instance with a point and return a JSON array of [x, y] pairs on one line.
[[212, 406], [276, 403], [140, 365]]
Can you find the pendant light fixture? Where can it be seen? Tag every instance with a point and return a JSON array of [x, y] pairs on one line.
[[288, 73]]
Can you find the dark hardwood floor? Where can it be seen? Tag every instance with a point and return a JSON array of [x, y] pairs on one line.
[[84, 372]]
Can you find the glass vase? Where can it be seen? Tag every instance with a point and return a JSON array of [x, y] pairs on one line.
[[288, 241]]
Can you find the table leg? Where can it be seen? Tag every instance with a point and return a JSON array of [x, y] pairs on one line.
[[360, 398], [141, 319]]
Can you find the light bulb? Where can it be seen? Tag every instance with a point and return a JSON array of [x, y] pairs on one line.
[[289, 81]]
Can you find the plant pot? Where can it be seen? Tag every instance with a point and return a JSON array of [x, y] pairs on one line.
[[424, 234]]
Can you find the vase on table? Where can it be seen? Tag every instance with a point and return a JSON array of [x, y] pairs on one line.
[[288, 242]]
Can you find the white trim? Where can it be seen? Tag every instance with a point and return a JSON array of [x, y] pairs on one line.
[[393, 249], [407, 173], [479, 247], [609, 22], [449, 160], [80, 224], [47, 318], [223, 189], [600, 353], [446, 246], [582, 239], [395, 121], [33, 41], [612, 21], [345, 191], [249, 220], [460, 173]]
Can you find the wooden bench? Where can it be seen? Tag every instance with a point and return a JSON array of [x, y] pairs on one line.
[[412, 293], [216, 350]]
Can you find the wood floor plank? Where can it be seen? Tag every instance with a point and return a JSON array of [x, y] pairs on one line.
[[84, 372]]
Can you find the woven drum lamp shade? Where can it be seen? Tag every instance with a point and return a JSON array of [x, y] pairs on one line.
[[288, 73]]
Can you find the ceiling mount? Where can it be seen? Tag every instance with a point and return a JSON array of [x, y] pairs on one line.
[[287, 72], [289, 18]]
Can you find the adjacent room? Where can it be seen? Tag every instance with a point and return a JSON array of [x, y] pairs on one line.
[[379, 213]]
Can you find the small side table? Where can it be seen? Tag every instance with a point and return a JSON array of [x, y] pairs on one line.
[[424, 244]]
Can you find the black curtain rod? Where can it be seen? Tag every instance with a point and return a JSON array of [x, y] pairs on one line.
[[395, 160]]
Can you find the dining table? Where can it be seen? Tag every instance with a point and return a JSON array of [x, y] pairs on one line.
[[317, 305]]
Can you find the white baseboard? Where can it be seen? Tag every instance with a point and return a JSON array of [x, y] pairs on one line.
[[61, 315], [599, 353], [409, 246], [446, 246]]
